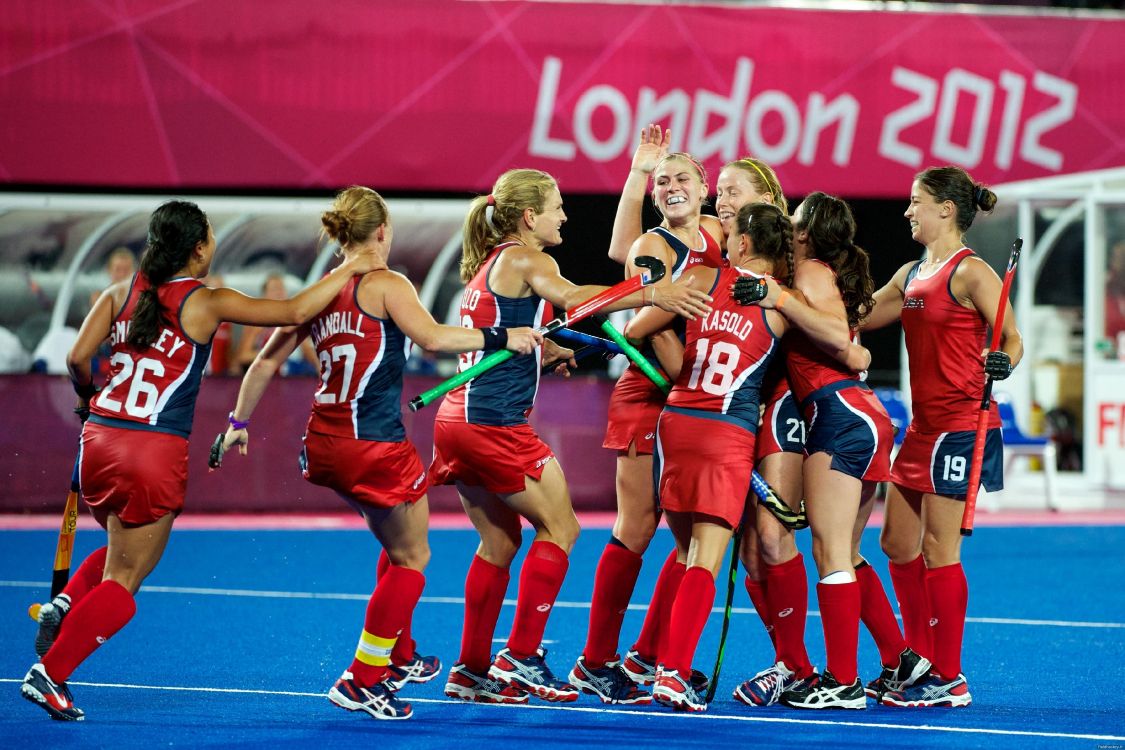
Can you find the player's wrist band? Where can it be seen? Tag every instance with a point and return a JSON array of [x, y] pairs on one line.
[[85, 392], [495, 338], [237, 424]]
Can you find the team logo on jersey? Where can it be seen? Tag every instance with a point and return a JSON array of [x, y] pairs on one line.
[[543, 462], [418, 481], [914, 303]]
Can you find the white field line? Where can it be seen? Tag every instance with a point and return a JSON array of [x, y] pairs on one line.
[[647, 714], [459, 601]]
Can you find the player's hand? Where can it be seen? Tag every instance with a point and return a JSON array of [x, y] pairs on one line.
[[681, 299], [523, 340], [560, 357], [652, 148], [998, 365]]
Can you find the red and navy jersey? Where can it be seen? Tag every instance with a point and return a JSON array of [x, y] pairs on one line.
[[361, 360], [153, 388], [943, 343], [810, 367], [504, 395], [725, 358], [685, 257]]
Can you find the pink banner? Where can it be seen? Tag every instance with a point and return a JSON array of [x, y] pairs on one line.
[[444, 95]]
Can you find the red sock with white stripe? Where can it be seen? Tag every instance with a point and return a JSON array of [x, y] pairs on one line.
[[839, 613], [91, 622], [540, 580], [949, 599], [614, 581], [389, 608], [877, 615], [660, 608], [88, 575], [690, 610], [759, 597], [405, 646], [485, 585], [788, 591], [909, 581]]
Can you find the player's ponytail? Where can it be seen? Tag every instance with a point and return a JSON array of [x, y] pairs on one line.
[[831, 228], [770, 230], [497, 215], [955, 185], [174, 231]]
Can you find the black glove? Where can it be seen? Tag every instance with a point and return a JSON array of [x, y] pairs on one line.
[[83, 413], [998, 365], [748, 290]]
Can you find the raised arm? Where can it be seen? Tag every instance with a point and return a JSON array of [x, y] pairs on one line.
[[401, 302], [541, 273], [207, 308], [627, 221]]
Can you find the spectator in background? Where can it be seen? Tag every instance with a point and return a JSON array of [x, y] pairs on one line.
[[1115, 294], [252, 339]]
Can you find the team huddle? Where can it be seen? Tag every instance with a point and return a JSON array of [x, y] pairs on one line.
[[754, 326]]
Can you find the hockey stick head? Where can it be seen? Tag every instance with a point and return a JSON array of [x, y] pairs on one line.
[[654, 266]]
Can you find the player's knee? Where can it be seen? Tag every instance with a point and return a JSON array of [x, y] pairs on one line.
[[896, 547], [635, 533], [777, 546]]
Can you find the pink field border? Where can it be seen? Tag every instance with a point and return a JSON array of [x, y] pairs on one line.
[[592, 520]]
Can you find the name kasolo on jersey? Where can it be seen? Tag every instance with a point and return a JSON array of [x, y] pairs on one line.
[[167, 343], [725, 320], [336, 322]]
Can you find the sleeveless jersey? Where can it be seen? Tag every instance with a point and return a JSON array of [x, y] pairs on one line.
[[153, 388], [810, 367], [361, 360], [943, 344], [504, 395], [725, 358]]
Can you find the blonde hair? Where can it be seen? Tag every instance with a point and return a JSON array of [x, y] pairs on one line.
[[494, 216], [355, 215], [763, 178]]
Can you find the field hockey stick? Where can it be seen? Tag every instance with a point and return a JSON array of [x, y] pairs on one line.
[[64, 549], [767, 495], [967, 516], [577, 337], [579, 312], [732, 581]]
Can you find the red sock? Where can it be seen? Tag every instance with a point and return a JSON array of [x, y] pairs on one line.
[[614, 581], [389, 608], [839, 614], [909, 582], [788, 593], [484, 596], [877, 615], [405, 645], [540, 580], [91, 622], [759, 597], [88, 575], [690, 610], [949, 598], [660, 608]]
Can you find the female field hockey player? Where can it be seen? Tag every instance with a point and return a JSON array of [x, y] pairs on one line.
[[356, 444], [484, 445], [947, 302], [133, 464], [705, 435]]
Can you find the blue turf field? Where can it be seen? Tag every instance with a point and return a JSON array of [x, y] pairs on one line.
[[240, 633]]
